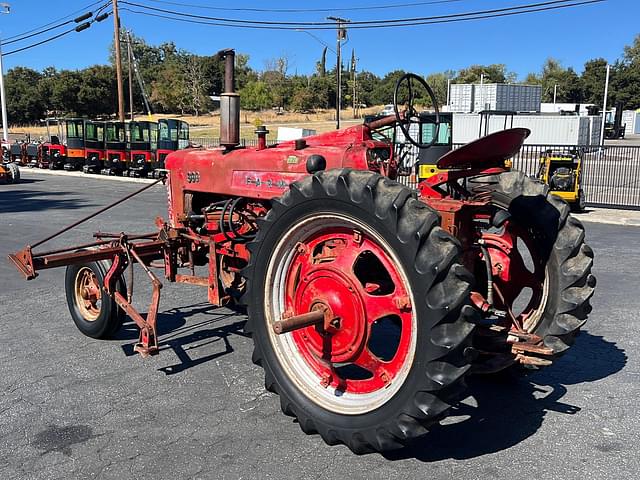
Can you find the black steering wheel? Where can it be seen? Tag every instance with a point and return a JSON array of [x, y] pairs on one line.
[[410, 115]]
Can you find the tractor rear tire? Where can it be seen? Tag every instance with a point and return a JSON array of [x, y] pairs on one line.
[[566, 258], [98, 315], [13, 173], [360, 211]]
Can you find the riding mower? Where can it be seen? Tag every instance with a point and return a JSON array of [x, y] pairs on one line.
[[562, 172], [9, 173]]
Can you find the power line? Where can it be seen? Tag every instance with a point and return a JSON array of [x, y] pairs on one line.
[[452, 18], [55, 37], [556, 3], [66, 32], [5, 41], [306, 10]]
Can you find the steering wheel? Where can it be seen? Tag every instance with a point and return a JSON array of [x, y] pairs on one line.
[[410, 115]]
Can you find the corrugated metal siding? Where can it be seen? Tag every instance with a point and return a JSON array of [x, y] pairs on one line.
[[631, 120], [467, 98], [461, 98]]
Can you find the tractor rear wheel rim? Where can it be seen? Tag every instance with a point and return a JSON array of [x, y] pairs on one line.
[[88, 294], [322, 262], [512, 274]]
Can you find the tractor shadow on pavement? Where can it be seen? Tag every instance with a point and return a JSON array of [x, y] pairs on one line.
[[14, 201], [506, 409], [174, 333]]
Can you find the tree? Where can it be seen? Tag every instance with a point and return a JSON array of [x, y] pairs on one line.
[[494, 73], [367, 83], [24, 101], [592, 81], [169, 90], [383, 92], [565, 82], [438, 83], [626, 77], [98, 92], [64, 92], [321, 66], [195, 84], [255, 95]]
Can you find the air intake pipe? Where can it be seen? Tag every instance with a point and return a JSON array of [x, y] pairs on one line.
[[229, 103]]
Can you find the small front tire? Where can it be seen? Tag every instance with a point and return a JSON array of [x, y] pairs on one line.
[[94, 312]]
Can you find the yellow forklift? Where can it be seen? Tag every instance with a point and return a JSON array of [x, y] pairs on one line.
[[562, 171]]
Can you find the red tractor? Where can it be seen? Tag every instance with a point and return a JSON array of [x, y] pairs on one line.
[[142, 143], [95, 151], [52, 154], [74, 139], [173, 134], [368, 302], [115, 143]]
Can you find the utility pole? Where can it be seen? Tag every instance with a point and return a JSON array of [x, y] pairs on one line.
[[555, 94], [130, 79], [341, 35], [354, 79], [116, 40], [5, 121]]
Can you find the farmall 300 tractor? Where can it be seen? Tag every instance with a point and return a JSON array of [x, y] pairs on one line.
[[368, 302]]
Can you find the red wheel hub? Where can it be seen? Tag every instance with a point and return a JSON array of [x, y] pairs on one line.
[[330, 269]]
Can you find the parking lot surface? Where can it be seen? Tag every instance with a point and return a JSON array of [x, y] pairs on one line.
[[72, 407]]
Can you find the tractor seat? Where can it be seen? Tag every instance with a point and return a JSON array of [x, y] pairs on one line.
[[55, 140], [491, 150]]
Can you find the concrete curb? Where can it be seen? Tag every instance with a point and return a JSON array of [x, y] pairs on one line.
[[610, 216], [26, 171]]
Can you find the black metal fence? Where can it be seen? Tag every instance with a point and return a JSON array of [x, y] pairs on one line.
[[611, 174]]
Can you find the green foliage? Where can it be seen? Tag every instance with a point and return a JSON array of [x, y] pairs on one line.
[[625, 84], [495, 73], [255, 95], [23, 95], [592, 81]]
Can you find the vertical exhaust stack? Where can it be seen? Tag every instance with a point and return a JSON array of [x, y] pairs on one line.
[[229, 103]]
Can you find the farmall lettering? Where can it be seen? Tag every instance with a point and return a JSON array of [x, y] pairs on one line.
[[264, 182]]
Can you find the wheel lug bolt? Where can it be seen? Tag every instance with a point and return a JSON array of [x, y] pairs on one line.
[[326, 380]]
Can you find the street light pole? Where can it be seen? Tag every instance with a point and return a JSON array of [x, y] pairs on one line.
[[604, 106], [5, 121], [341, 35]]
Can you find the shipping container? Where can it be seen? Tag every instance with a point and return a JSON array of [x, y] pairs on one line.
[[631, 120], [468, 98], [293, 133], [545, 129], [461, 98]]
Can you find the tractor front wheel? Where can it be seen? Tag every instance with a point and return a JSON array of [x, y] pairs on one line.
[[94, 312], [13, 173], [386, 355]]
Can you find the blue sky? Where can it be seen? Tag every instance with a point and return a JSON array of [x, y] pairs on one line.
[[571, 35]]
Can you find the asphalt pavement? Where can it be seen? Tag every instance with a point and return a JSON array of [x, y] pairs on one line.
[[72, 407]]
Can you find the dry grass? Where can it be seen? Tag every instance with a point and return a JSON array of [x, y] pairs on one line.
[[209, 125]]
